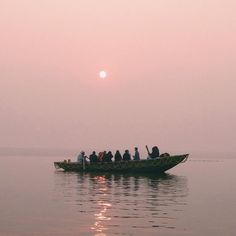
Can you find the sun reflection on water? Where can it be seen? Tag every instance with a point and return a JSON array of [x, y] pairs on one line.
[[116, 204], [101, 216]]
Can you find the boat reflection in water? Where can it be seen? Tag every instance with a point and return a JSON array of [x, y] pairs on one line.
[[124, 204]]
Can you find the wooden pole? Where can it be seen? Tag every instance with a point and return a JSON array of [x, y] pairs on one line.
[[148, 150], [83, 163]]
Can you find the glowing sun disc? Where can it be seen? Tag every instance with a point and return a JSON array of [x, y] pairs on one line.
[[102, 74]]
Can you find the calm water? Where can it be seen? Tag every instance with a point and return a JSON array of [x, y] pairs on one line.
[[195, 198]]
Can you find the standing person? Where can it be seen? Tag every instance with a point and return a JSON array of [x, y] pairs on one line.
[[126, 156], [118, 156], [81, 157], [136, 156]]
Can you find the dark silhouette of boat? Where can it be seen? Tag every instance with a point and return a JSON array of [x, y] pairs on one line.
[[157, 166]]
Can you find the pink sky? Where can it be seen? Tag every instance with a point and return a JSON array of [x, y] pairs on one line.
[[171, 74]]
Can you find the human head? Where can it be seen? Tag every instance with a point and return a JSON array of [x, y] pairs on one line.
[[155, 149]]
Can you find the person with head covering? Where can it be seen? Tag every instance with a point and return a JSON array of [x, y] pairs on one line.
[[81, 157], [155, 153], [118, 156]]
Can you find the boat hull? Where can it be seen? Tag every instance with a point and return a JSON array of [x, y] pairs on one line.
[[157, 166]]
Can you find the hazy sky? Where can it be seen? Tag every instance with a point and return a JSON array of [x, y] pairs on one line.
[[171, 68]]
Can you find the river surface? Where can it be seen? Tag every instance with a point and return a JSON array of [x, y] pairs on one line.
[[195, 198]]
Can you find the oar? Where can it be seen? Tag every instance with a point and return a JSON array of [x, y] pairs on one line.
[[148, 150]]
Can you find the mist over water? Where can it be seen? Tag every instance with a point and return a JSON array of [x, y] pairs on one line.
[[170, 82], [194, 198]]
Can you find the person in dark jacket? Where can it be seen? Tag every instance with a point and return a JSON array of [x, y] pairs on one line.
[[126, 156], [108, 157], [93, 157], [118, 156]]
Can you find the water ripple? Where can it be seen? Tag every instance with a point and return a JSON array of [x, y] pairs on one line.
[[123, 203]]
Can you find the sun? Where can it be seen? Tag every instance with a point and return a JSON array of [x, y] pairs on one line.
[[102, 74]]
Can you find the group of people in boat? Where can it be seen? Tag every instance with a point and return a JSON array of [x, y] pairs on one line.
[[108, 156]]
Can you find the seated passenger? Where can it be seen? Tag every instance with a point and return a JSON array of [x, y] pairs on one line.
[[108, 157], [118, 156], [104, 156], [126, 156], [100, 156], [166, 154], [155, 153], [93, 157]]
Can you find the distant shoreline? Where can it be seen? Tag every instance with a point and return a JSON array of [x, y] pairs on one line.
[[73, 152]]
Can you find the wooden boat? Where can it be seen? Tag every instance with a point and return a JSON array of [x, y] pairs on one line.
[[157, 166]]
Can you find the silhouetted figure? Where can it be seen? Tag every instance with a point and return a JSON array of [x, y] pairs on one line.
[[126, 156], [108, 157], [100, 156], [93, 157], [104, 156], [155, 152], [136, 154], [81, 157], [166, 154], [118, 156]]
